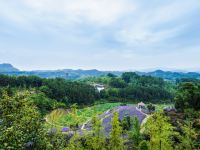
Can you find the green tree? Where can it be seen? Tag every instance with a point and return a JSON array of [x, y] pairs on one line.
[[160, 132], [20, 123], [128, 76], [135, 134], [57, 139], [45, 104], [117, 83], [97, 140], [126, 123], [188, 96], [189, 136], [111, 75], [151, 107], [75, 143], [116, 141], [75, 117], [143, 145]]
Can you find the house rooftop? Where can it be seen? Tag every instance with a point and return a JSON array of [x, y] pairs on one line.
[[141, 104]]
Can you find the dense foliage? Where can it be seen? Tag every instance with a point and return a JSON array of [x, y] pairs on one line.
[[21, 123], [131, 86], [25, 101], [59, 89], [188, 96]]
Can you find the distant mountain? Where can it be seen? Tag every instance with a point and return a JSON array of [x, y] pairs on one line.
[[169, 75], [7, 68], [78, 74], [67, 73]]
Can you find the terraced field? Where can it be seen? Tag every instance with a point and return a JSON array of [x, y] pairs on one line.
[[63, 118]]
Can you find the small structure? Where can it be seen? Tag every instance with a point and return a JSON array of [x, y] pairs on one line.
[[99, 87], [141, 105]]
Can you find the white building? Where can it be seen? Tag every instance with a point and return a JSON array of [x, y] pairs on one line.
[[141, 105], [99, 87]]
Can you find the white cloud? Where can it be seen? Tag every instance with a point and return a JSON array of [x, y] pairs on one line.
[[151, 26], [114, 34], [101, 12]]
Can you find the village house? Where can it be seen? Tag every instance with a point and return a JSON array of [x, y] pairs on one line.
[[141, 105], [99, 87]]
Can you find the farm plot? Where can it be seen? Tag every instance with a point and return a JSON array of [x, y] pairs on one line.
[[61, 118]]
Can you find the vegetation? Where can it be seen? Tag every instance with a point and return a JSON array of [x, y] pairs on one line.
[[188, 96], [96, 140], [131, 86], [21, 123], [61, 90], [160, 132], [116, 141], [135, 135], [67, 118], [33, 111]]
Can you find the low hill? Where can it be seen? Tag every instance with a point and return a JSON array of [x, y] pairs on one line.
[[7, 68]]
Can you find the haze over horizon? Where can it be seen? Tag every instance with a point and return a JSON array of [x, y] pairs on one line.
[[100, 34]]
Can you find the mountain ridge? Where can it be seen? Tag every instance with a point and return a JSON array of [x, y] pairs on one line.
[[8, 69]]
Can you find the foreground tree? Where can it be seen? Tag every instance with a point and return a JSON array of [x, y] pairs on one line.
[[21, 124], [143, 145], [160, 132], [75, 143], [97, 140], [116, 141], [135, 134], [74, 114], [189, 136]]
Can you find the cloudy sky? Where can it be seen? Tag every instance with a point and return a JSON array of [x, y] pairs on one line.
[[101, 34]]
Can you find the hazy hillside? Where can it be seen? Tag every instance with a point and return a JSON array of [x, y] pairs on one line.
[[169, 75], [77, 74], [7, 68]]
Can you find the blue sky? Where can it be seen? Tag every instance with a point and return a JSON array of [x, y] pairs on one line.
[[101, 34]]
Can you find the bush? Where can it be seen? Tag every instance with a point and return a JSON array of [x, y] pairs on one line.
[[151, 107]]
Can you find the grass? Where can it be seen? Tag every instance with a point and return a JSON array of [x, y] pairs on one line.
[[61, 118]]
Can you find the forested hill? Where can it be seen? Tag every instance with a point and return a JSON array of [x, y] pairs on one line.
[[170, 75], [77, 74]]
